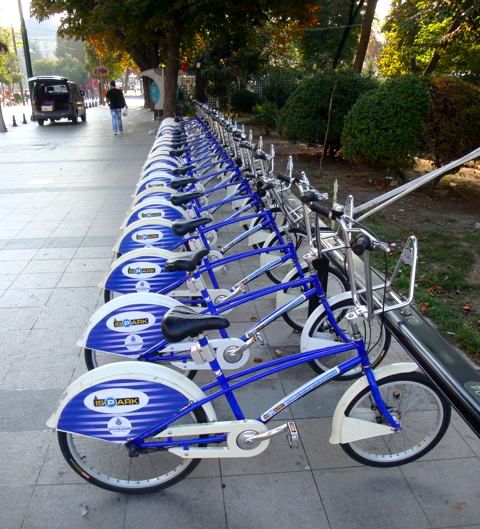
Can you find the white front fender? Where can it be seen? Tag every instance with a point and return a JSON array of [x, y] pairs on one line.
[[347, 429]]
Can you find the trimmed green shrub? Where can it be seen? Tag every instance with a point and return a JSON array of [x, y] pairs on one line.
[[279, 84], [265, 115], [452, 127], [244, 100], [304, 117], [384, 126]]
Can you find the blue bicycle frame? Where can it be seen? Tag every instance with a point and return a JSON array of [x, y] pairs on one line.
[[226, 386]]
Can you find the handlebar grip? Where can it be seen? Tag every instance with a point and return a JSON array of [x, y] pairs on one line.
[[283, 178], [309, 196], [321, 210], [361, 244]]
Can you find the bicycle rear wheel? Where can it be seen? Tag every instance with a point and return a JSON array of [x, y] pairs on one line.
[[109, 465], [376, 336], [424, 415], [296, 318]]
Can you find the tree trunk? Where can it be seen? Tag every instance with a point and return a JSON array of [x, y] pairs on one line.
[[352, 15], [3, 128], [171, 70], [364, 36], [146, 93], [200, 86]]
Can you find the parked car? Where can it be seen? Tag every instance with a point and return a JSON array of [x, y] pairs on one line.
[[55, 98]]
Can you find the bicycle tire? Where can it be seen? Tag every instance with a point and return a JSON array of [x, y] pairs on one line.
[[377, 350], [98, 477], [413, 442], [337, 283]]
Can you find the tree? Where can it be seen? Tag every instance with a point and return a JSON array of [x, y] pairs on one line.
[[332, 38], [154, 30], [426, 36]]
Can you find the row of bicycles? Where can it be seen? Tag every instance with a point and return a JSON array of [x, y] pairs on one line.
[[210, 203]]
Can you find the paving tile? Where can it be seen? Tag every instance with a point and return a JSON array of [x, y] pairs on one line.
[[11, 267], [35, 297], [89, 265], [18, 318], [6, 280], [68, 316], [26, 410], [42, 266], [448, 491], [55, 253], [467, 434], [63, 242], [44, 280], [191, 503], [17, 255], [99, 240], [25, 243], [13, 504], [283, 501], [83, 297], [315, 434], [52, 342], [80, 279], [30, 447], [94, 252], [37, 373], [11, 343], [78, 506], [369, 498]]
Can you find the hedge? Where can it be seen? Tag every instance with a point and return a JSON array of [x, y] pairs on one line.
[[452, 127], [304, 116], [384, 126]]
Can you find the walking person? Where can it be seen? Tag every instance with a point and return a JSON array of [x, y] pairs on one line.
[[116, 102]]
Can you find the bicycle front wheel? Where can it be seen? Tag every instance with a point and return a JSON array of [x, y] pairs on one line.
[[424, 415], [109, 465]]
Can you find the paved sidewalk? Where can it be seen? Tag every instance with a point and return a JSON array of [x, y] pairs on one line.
[[64, 190]]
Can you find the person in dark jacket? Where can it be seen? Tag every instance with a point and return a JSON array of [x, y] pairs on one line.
[[116, 102]]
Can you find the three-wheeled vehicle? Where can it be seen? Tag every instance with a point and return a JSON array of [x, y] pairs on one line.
[[55, 97]]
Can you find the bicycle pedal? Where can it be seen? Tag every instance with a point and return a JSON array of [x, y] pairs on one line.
[[260, 338], [293, 437]]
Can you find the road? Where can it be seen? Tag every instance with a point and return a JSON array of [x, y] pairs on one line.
[[64, 190]]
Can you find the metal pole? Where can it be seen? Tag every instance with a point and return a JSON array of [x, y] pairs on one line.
[[384, 200]]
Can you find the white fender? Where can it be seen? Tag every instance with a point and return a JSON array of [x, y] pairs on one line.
[[157, 174], [143, 253], [147, 192], [153, 201], [137, 298], [309, 343], [139, 224], [347, 429], [132, 370]]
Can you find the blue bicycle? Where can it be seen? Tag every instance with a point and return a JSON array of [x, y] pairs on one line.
[[138, 427]]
